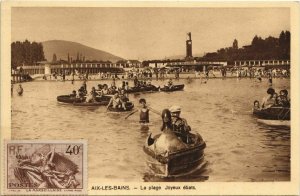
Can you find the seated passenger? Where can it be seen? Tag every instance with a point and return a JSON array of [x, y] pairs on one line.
[[74, 94], [283, 99], [170, 83], [124, 99], [126, 86], [99, 87], [275, 98], [115, 101], [268, 101], [104, 90], [81, 92], [91, 97], [123, 96], [256, 105]]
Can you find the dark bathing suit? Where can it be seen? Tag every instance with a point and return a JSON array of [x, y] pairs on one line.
[[144, 116]]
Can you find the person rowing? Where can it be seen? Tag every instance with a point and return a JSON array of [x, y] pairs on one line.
[[116, 102]]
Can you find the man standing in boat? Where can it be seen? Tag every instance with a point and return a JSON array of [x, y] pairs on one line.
[[179, 125]]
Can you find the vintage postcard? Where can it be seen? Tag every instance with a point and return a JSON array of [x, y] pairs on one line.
[[45, 167], [173, 98]]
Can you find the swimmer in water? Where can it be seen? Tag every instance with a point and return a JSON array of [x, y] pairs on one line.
[[144, 112]]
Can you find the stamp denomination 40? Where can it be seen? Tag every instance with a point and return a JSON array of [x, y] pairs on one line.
[[45, 167]]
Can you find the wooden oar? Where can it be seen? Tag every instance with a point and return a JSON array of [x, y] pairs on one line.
[[131, 114], [154, 111]]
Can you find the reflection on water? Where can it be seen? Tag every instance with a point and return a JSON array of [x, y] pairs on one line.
[[238, 148]]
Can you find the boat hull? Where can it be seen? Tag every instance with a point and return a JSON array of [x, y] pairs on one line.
[[277, 123], [71, 100], [143, 89], [91, 104], [177, 163], [174, 88], [129, 106], [273, 113]]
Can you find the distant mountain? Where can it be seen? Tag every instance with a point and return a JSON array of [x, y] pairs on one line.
[[62, 48]]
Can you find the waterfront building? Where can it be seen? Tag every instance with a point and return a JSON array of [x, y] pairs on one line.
[[263, 63]]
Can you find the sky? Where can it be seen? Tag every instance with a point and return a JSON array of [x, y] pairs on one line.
[[148, 33]]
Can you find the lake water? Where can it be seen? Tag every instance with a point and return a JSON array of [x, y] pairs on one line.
[[238, 147]]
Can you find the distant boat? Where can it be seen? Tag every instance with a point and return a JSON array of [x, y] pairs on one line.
[[172, 88]]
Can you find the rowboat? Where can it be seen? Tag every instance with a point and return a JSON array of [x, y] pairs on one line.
[[129, 106], [273, 113], [173, 88], [149, 88], [90, 103], [175, 163], [71, 99], [273, 116], [283, 123]]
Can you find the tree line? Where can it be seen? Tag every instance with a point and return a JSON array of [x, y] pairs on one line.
[[259, 49], [26, 53]]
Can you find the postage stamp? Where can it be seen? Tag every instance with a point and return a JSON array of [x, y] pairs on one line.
[[45, 167]]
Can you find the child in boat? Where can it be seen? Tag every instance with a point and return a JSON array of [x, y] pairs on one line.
[[126, 86], [275, 98], [91, 97], [282, 99], [170, 83], [256, 105], [144, 112], [74, 94], [123, 98]]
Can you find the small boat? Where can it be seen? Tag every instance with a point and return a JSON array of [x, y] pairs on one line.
[[274, 116], [176, 162], [149, 88], [273, 113], [275, 123], [71, 99], [173, 88], [129, 106], [90, 103]]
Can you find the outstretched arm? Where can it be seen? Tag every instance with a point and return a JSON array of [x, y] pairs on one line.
[[110, 102], [131, 114], [154, 111]]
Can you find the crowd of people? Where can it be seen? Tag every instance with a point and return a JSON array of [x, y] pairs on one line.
[[150, 73]]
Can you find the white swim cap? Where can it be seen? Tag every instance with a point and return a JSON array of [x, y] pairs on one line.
[[175, 108]]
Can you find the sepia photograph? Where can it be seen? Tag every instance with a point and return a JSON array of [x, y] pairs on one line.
[[160, 94]]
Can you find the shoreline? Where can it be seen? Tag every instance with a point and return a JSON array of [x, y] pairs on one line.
[[190, 76]]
